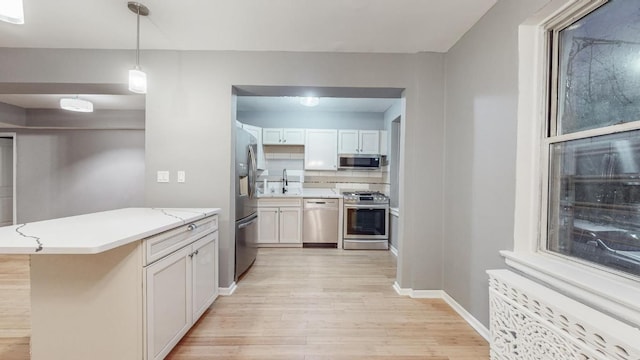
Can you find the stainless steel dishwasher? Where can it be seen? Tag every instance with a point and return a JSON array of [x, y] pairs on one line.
[[320, 222]]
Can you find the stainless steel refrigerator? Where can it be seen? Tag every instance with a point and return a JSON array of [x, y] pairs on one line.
[[246, 201]]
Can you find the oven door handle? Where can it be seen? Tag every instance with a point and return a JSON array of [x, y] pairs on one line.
[[370, 207]]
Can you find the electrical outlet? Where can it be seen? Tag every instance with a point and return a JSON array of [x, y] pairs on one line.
[[163, 176], [182, 176]]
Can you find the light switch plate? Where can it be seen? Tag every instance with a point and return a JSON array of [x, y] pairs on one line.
[[163, 176], [182, 176]]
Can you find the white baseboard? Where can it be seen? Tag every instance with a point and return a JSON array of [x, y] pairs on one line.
[[470, 319], [393, 250], [418, 294], [226, 291], [441, 294]]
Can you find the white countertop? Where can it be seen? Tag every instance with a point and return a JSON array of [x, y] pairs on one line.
[[94, 233], [305, 193]]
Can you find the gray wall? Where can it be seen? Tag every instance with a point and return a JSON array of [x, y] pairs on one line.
[[11, 115], [70, 172], [481, 115], [313, 120]]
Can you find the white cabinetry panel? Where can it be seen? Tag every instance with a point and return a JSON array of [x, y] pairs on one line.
[[359, 142], [282, 136], [268, 225], [204, 268], [321, 150], [290, 225], [369, 141], [271, 136], [348, 142], [280, 221], [168, 302]]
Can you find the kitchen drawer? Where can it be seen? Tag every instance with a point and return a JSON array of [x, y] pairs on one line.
[[167, 242], [279, 202]]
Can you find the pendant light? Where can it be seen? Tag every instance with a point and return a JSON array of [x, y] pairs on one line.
[[76, 104], [137, 77], [12, 11]]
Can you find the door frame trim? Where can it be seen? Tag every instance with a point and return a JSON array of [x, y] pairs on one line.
[[14, 137]]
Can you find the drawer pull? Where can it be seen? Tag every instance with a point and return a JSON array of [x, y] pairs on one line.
[[192, 227]]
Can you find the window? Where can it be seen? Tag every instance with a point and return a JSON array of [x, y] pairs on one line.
[[592, 145]]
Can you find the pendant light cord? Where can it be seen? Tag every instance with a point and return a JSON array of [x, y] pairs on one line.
[[138, 40]]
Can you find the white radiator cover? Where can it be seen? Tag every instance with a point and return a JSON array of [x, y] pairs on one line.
[[529, 321]]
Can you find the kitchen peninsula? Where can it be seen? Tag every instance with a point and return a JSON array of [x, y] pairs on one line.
[[121, 284]]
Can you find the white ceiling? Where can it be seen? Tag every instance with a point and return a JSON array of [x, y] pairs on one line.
[[393, 26], [291, 103]]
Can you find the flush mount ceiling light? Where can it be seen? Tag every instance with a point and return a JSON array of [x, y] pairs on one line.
[[137, 77], [76, 104], [12, 11], [310, 101]]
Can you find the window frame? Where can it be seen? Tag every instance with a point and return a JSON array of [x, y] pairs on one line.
[[550, 136], [604, 289]]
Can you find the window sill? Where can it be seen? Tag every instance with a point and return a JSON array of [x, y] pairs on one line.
[[618, 297]]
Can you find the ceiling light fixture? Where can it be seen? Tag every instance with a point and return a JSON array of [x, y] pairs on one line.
[[310, 101], [137, 77], [76, 104], [12, 11]]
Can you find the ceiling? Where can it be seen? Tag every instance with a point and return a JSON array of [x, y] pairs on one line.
[[292, 103], [377, 26]]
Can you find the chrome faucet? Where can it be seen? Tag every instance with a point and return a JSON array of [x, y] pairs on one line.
[[285, 181]]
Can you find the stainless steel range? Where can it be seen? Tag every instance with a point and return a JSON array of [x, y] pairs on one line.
[[366, 221]]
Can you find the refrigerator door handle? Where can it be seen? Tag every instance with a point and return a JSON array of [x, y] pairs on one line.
[[250, 221], [253, 168]]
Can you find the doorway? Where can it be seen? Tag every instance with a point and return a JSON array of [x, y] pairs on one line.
[[7, 179]]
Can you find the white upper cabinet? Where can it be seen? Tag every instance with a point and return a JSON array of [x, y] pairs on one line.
[[321, 149], [271, 136], [293, 136], [283, 136], [369, 141], [348, 142], [384, 149], [257, 132], [359, 142]]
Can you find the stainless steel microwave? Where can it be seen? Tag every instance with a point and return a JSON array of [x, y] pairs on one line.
[[358, 162]]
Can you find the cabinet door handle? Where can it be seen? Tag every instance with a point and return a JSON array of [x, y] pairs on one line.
[[191, 255], [197, 251], [192, 227]]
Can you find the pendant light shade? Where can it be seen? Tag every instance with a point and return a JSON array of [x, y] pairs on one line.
[[137, 77], [12, 11], [76, 104], [137, 81]]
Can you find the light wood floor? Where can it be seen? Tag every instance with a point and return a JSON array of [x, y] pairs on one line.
[[327, 304], [293, 304]]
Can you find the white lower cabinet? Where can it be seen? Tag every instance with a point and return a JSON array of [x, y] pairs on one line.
[[290, 222], [178, 290], [168, 294], [204, 280], [133, 302], [280, 222]]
